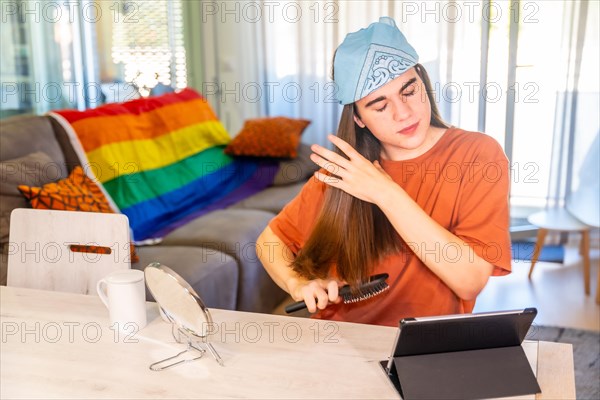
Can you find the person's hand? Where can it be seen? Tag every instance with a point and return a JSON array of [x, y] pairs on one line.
[[356, 176], [317, 293]]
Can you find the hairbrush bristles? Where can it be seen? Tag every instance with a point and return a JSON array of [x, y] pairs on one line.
[[374, 287], [377, 284]]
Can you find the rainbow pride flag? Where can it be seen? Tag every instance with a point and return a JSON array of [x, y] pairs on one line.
[[161, 160]]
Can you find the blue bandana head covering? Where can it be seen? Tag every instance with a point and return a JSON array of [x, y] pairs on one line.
[[368, 59]]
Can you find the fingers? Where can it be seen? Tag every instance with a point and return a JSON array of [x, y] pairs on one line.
[[344, 147], [332, 161], [328, 156], [332, 291], [323, 299], [329, 179], [331, 167], [318, 294], [339, 166]]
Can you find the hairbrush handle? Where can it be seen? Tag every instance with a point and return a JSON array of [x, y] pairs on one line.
[[297, 306], [375, 281]]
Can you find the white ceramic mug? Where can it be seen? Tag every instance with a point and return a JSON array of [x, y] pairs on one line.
[[125, 298]]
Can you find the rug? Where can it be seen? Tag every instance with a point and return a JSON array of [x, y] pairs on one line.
[[550, 253], [586, 355]]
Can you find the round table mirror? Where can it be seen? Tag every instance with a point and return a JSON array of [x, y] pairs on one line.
[[182, 306]]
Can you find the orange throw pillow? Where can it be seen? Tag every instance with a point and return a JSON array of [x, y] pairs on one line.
[[268, 137], [75, 193]]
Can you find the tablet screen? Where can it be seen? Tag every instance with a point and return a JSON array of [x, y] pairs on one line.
[[461, 332]]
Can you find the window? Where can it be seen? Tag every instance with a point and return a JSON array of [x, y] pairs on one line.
[[143, 45], [38, 66], [85, 53], [526, 95]]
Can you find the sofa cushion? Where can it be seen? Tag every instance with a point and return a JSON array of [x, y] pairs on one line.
[[22, 135], [7, 205], [272, 199], [77, 192], [34, 169], [3, 263], [234, 232], [213, 275], [268, 137], [62, 137], [22, 140], [296, 169]]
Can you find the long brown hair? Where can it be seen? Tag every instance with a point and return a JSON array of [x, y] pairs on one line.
[[352, 234]]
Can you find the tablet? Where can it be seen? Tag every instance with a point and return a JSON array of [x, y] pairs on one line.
[[461, 332]]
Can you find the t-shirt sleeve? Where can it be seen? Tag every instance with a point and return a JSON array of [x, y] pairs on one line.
[[295, 222], [483, 220]]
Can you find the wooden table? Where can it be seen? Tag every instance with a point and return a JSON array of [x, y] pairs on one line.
[[59, 345]]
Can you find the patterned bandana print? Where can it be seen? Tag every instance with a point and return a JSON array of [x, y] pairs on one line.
[[382, 65], [370, 58]]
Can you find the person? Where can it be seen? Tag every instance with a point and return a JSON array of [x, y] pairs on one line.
[[402, 193]]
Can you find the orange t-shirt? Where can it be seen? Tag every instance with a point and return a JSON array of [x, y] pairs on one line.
[[462, 182]]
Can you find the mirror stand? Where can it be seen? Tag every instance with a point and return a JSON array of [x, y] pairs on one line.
[[157, 366], [181, 306], [192, 348]]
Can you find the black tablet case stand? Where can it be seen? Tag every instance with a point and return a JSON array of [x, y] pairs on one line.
[[477, 370], [473, 374]]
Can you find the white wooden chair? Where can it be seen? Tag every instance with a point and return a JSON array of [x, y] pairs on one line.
[[49, 249], [582, 213], [561, 220]]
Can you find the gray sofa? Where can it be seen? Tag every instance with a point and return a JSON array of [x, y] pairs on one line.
[[215, 253]]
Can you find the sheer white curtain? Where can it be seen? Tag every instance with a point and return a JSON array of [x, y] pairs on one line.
[[576, 118], [41, 63], [275, 58], [300, 54], [582, 170], [489, 63]]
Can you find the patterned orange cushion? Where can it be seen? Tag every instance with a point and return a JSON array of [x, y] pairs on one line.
[[268, 137], [75, 193]]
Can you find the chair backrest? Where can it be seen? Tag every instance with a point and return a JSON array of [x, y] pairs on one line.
[[59, 250], [583, 202]]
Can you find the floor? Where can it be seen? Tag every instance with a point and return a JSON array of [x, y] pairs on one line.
[[556, 290]]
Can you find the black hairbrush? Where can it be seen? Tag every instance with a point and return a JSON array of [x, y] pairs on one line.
[[376, 285]]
